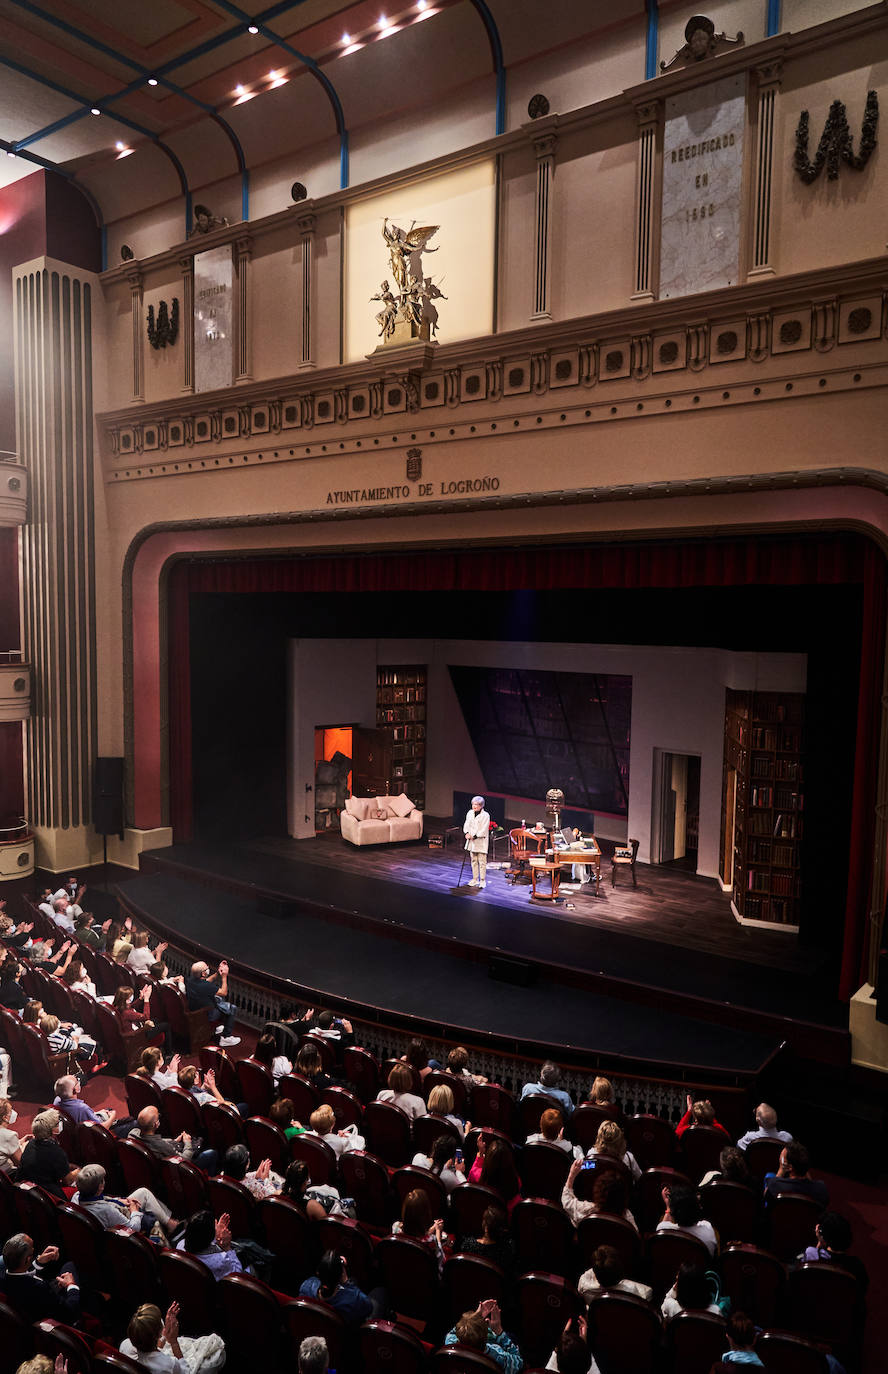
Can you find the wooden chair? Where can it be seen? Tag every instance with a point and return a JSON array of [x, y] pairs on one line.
[[387, 1348], [366, 1179], [694, 1342], [362, 1069], [624, 857], [544, 1169], [544, 1237], [651, 1139], [291, 1238], [520, 854], [624, 1332], [754, 1280], [782, 1353], [317, 1154]]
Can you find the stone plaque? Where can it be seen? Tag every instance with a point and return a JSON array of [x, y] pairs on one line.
[[213, 333], [702, 173]]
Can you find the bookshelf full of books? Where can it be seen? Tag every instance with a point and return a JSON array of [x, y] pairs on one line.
[[401, 712], [764, 774]]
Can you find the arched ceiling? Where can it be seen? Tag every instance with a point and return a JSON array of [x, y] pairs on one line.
[[186, 94]]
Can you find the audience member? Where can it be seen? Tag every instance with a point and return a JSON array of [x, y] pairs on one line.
[[151, 1067], [333, 1286], [457, 1064], [552, 1131], [483, 1330], [11, 1144], [153, 1341], [691, 1292], [741, 1339], [131, 1018], [399, 1092], [601, 1095], [85, 931], [550, 1077], [202, 1089], [494, 1166], [314, 1357], [43, 1159], [75, 975], [417, 1057], [792, 1176], [608, 1271], [571, 1354], [66, 1039], [261, 1182], [610, 1143], [495, 1241], [766, 1127], [416, 1222], [297, 1181], [147, 1130], [832, 1241], [140, 957], [441, 1104], [63, 914], [68, 1100], [281, 1113], [732, 1169], [699, 1114], [206, 991], [39, 1287], [683, 1213], [141, 1210], [322, 1123], [311, 1066], [442, 1162], [12, 995], [266, 1053], [209, 1240]]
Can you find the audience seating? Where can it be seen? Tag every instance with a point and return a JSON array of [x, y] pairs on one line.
[[292, 1238], [251, 1322], [700, 1150], [493, 1106], [791, 1222], [651, 1140], [427, 1129], [546, 1303], [351, 1240], [754, 1280], [365, 1178], [649, 1206], [140, 1092], [191, 1030], [304, 1095], [584, 1123], [458, 1359], [114, 1362], [82, 1240], [361, 1069], [222, 1126], [15, 1335], [763, 1157], [348, 1108], [96, 1145], [625, 1332], [408, 1272], [183, 1185], [266, 1140], [694, 1342], [132, 1263], [37, 1215], [211, 1057], [822, 1302], [733, 1209], [666, 1252], [544, 1169], [53, 1338], [531, 1108], [255, 1086], [318, 1156], [227, 1195], [782, 1353], [468, 1205], [308, 1317], [468, 1280], [387, 1133], [189, 1283], [412, 1177], [137, 1163], [458, 1086], [603, 1229], [181, 1111], [544, 1237], [386, 1348]]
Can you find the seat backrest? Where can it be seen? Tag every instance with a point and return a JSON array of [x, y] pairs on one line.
[[458, 1086], [132, 1267], [362, 1069], [53, 1338], [387, 1348], [227, 1195], [584, 1123], [292, 1239], [83, 1241], [492, 1105], [15, 1336], [317, 1155], [531, 1108], [468, 1281], [625, 1332], [695, 1341], [700, 1149], [387, 1133], [791, 1222], [468, 1203], [348, 1109], [603, 1229], [310, 1317], [97, 1145], [140, 1092], [651, 1140], [37, 1215], [138, 1164], [112, 1360], [409, 1274], [222, 1126], [782, 1353], [188, 1282], [544, 1237], [763, 1156], [544, 1169], [458, 1359], [411, 1177], [754, 1280], [366, 1179], [546, 1303], [255, 1086], [325, 1050], [666, 1252], [349, 1239], [427, 1129], [733, 1209], [824, 1302], [182, 1112], [649, 1205], [252, 1322], [183, 1186], [220, 1061], [304, 1095], [266, 1140]]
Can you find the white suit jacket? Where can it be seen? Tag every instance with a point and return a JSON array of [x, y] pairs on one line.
[[477, 832]]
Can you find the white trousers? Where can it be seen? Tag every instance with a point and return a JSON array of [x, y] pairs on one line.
[[479, 866]]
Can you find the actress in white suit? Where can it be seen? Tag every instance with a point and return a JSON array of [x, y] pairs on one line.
[[477, 833]]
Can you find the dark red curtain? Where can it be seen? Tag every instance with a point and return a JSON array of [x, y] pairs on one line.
[[179, 661]]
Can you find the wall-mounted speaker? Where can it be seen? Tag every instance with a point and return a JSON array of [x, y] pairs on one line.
[[107, 798]]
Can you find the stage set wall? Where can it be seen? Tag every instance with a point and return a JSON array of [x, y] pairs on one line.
[[782, 438], [678, 706]]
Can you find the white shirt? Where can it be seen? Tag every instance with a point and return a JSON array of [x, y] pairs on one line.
[[449, 1177], [408, 1102], [158, 1360], [588, 1284], [539, 1139], [476, 829], [140, 960], [703, 1230], [763, 1133]]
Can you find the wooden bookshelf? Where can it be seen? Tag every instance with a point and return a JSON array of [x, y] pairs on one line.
[[764, 750], [401, 712]]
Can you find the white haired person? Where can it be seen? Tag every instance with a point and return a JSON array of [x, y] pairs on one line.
[[153, 1341], [476, 829]]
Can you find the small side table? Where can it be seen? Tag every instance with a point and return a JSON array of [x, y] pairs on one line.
[[553, 869]]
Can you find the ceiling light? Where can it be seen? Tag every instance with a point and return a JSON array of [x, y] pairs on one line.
[[383, 22], [10, 152], [420, 5], [252, 29], [152, 81], [95, 110], [346, 39], [119, 146], [239, 89]]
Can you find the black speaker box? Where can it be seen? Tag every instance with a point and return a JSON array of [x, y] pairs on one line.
[[516, 971], [882, 988], [108, 818]]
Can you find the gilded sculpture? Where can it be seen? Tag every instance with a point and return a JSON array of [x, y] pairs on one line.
[[408, 311]]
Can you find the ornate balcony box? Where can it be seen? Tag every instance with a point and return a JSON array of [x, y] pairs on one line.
[[13, 491], [16, 852], [15, 688]]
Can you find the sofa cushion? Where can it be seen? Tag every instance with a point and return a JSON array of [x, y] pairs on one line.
[[406, 827], [359, 807], [400, 805], [374, 832]]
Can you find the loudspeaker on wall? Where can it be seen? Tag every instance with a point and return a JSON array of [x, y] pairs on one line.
[[107, 800]]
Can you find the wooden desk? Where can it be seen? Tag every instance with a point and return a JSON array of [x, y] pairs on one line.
[[581, 854]]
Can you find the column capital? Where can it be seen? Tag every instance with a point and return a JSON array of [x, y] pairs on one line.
[[770, 73], [545, 146], [647, 112], [306, 224], [135, 279], [243, 247]]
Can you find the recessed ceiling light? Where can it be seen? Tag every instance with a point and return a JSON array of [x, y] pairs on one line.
[[346, 39], [239, 89], [252, 29], [383, 22], [119, 146], [152, 81], [10, 153], [95, 110], [420, 5], [273, 76]]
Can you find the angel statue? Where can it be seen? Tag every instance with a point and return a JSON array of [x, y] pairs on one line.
[[386, 316]]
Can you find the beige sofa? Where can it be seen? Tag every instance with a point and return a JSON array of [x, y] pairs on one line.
[[380, 820]]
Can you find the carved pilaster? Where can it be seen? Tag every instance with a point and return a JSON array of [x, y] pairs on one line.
[[588, 373], [759, 336], [243, 251], [306, 225], [824, 324], [187, 265], [134, 277], [641, 356], [698, 346], [769, 78], [542, 231], [647, 221]]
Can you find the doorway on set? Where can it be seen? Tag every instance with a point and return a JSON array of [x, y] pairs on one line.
[[676, 810]]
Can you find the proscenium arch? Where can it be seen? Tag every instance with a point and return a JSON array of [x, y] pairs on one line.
[[87, 194]]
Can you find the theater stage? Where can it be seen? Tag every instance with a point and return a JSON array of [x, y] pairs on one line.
[[658, 974]]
